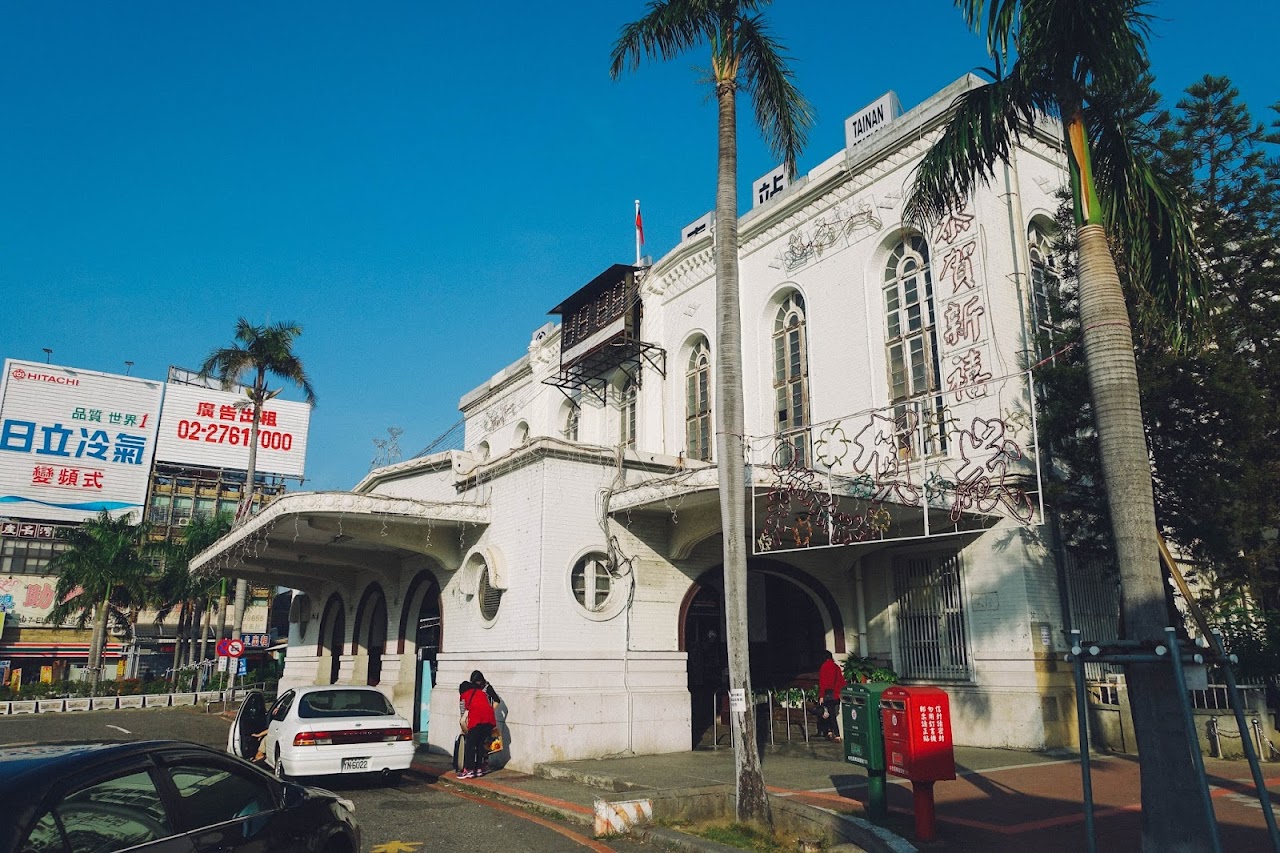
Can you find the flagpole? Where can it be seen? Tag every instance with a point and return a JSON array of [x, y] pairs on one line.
[[639, 233]]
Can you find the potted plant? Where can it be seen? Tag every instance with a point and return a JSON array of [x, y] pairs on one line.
[[861, 670]]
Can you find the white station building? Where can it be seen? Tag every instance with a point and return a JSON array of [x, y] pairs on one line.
[[572, 549]]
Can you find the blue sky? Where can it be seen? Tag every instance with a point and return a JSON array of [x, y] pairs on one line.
[[413, 183]]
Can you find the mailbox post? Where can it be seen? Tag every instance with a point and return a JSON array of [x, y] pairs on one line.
[[917, 742], [864, 741]]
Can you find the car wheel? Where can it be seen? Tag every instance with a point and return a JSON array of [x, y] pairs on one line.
[[279, 767]]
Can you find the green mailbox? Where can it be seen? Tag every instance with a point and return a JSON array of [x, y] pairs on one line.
[[864, 738]]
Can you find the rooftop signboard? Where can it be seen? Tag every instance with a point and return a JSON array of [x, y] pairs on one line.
[[74, 442], [210, 427]]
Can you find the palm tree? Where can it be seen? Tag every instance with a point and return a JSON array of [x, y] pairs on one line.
[[744, 55], [1076, 60], [260, 351], [102, 576], [189, 594]]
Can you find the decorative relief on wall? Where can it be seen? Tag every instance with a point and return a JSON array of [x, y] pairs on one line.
[[841, 226]]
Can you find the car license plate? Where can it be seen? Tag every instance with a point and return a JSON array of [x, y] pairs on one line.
[[350, 764]]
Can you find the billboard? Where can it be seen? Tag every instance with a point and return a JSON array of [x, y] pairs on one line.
[[74, 442], [210, 427]]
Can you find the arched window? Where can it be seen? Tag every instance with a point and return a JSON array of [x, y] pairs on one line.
[[572, 420], [591, 581], [697, 417], [627, 414], [522, 433], [791, 381], [1045, 280], [912, 344]]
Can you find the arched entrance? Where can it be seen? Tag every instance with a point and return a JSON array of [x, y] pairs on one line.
[[788, 614], [420, 619], [333, 632], [371, 634]]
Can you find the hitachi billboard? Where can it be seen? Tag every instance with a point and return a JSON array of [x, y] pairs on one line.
[[74, 442]]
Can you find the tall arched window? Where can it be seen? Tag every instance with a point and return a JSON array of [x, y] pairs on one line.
[[572, 420], [697, 419], [1045, 279], [912, 344], [791, 381], [627, 414]]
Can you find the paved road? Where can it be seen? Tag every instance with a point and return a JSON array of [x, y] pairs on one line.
[[420, 814]]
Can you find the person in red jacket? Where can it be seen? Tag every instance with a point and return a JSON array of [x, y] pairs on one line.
[[830, 683], [474, 702]]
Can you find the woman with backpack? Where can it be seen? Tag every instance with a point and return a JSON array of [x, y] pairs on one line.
[[478, 721]]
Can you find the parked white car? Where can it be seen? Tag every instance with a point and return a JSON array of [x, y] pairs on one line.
[[318, 731]]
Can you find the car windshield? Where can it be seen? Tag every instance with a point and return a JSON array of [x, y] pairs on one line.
[[344, 703]]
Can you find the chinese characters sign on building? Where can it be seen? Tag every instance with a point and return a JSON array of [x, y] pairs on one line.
[[911, 470], [74, 442], [210, 427]]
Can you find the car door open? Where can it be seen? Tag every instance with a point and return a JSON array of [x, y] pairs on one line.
[[250, 720]]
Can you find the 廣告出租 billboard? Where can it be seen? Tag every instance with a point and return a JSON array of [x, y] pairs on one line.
[[211, 428], [74, 442]]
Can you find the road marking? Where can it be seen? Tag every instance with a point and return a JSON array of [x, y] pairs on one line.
[[396, 847], [119, 729], [590, 844]]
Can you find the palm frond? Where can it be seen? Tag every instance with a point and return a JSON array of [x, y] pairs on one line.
[[1076, 45], [782, 113], [1000, 24], [667, 29], [985, 123]]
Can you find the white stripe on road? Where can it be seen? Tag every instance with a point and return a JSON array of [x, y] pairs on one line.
[[117, 728]]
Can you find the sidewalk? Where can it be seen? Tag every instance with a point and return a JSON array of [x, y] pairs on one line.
[[1003, 800]]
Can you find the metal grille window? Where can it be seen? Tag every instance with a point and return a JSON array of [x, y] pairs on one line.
[[698, 402], [912, 345], [591, 581], [1045, 279], [931, 632], [489, 595], [627, 414], [791, 381]]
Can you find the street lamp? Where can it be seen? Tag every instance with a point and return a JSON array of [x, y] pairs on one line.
[[128, 366], [48, 354]]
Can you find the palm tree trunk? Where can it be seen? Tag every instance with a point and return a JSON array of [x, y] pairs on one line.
[[1173, 816], [177, 647], [96, 644], [753, 801], [204, 639], [222, 609]]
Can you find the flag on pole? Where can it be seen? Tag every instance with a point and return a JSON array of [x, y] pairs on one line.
[[639, 234]]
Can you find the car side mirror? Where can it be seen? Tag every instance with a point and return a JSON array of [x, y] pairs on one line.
[[294, 794]]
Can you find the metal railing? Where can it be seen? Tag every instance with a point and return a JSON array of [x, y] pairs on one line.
[[792, 709]]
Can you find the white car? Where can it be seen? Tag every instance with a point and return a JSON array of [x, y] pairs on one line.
[[318, 731]]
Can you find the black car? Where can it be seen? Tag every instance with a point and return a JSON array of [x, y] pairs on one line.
[[160, 797]]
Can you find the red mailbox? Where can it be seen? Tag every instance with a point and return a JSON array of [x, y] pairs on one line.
[[917, 733], [917, 745]]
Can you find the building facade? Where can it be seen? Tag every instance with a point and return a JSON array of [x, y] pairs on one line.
[[572, 549]]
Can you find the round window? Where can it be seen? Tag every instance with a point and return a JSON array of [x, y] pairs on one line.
[[591, 581], [489, 595]]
